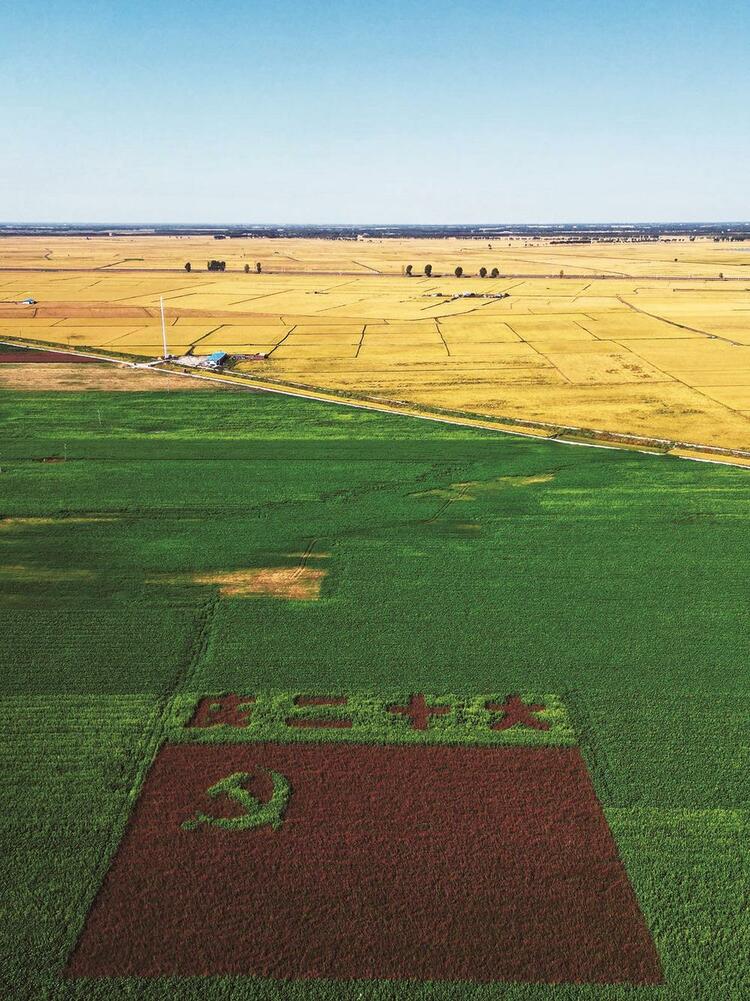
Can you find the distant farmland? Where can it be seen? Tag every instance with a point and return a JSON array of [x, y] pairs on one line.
[[649, 339]]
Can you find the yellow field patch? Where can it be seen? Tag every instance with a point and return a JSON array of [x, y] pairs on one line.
[[7, 524], [530, 328], [300, 583], [482, 351], [496, 334], [19, 324], [636, 337], [736, 397], [234, 338], [604, 368], [92, 323], [298, 350], [330, 330], [413, 338], [567, 345], [714, 377], [623, 325], [690, 353], [730, 460], [399, 352]]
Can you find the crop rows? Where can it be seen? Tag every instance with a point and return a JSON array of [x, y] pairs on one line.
[[455, 562]]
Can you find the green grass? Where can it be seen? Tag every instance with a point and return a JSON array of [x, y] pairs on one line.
[[620, 583]]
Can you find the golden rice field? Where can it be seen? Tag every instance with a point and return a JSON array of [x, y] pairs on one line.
[[674, 257], [636, 342]]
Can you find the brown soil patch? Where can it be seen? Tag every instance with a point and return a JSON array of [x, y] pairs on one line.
[[22, 357], [431, 863], [78, 378], [290, 583]]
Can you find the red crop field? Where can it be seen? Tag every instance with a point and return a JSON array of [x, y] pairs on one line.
[[388, 862]]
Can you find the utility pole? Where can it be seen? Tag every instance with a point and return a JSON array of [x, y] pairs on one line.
[[163, 327]]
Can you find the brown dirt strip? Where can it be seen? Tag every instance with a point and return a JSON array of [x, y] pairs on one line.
[[42, 357], [82, 378], [431, 863]]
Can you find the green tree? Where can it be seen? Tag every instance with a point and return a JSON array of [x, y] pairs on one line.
[[494, 273], [188, 266], [428, 270], [459, 271], [408, 270], [258, 267], [247, 269], [483, 272]]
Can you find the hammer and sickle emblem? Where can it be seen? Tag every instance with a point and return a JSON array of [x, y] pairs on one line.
[[256, 814]]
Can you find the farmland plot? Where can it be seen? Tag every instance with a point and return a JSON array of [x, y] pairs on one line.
[[645, 339], [513, 702]]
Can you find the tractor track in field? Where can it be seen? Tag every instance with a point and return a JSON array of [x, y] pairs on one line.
[[305, 558], [459, 495]]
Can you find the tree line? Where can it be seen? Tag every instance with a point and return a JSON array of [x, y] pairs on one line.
[[458, 272], [213, 265], [222, 266]]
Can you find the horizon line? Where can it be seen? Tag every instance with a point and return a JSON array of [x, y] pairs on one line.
[[375, 225]]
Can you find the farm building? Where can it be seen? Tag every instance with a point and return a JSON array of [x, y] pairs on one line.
[[216, 360]]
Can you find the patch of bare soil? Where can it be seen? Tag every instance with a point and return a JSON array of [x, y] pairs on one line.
[[300, 583], [27, 357], [79, 378]]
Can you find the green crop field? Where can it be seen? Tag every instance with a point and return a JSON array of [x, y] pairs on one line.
[[139, 532]]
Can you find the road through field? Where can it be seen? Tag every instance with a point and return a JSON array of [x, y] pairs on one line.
[[569, 435]]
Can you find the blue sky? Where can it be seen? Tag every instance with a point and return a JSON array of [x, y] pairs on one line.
[[387, 112]]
